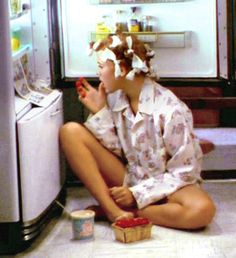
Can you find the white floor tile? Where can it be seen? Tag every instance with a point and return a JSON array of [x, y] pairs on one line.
[[216, 241]]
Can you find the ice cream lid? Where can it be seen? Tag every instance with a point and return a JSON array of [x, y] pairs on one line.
[[82, 214]]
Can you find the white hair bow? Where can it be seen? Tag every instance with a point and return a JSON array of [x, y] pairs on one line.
[[138, 64], [115, 41], [107, 54]]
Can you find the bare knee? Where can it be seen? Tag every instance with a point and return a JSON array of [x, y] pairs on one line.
[[201, 214], [70, 129], [75, 134]]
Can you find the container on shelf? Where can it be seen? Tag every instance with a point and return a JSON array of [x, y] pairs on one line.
[[120, 21], [133, 22], [103, 27], [15, 38], [145, 24]]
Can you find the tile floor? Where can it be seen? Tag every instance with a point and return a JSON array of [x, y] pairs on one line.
[[216, 241]]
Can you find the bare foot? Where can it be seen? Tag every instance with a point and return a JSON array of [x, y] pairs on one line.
[[122, 215], [101, 215]]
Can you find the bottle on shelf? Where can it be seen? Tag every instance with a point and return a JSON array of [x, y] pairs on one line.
[[103, 27], [134, 22], [120, 21]]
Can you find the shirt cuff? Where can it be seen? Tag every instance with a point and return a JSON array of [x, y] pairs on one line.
[[152, 190]]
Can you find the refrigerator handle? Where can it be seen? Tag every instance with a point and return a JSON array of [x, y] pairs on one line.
[[53, 75]]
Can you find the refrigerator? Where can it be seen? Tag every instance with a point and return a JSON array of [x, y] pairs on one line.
[[194, 44], [31, 113]]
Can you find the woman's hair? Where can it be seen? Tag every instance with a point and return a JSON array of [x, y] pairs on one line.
[[125, 50]]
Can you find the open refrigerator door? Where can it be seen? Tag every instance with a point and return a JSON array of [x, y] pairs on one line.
[[182, 33]]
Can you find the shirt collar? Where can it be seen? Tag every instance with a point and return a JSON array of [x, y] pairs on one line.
[[146, 98], [118, 100]]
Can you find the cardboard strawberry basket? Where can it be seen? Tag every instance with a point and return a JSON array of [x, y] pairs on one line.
[[130, 230]]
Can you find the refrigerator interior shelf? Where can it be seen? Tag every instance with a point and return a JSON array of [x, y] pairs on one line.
[[133, 1], [19, 53], [178, 39]]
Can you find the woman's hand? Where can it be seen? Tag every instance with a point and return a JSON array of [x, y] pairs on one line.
[[123, 196], [93, 99]]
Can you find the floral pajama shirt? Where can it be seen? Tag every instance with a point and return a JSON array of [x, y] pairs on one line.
[[158, 142]]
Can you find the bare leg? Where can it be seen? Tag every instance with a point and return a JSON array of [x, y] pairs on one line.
[[94, 165], [188, 208]]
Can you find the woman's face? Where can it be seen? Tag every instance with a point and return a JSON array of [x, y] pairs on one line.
[[106, 73]]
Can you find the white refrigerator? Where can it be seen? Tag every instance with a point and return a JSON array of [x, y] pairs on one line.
[[32, 178]]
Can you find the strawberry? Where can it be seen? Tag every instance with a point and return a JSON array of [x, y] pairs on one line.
[[78, 84], [127, 223]]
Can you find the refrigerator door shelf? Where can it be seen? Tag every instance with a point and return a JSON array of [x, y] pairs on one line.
[[174, 39], [144, 36], [19, 53], [178, 39], [133, 1]]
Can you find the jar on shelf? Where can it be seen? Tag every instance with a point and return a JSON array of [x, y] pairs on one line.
[[146, 23], [120, 21]]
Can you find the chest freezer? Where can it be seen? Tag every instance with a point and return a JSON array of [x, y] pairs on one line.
[[31, 177], [40, 179], [39, 163]]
